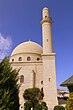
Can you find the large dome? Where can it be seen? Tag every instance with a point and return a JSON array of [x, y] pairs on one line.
[[28, 47]]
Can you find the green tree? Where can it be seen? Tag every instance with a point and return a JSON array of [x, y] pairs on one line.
[[41, 106], [44, 106], [27, 105], [9, 99], [34, 96], [69, 104], [38, 107]]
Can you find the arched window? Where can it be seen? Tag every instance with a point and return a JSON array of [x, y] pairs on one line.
[[28, 58], [21, 79], [12, 59], [20, 58], [42, 82]]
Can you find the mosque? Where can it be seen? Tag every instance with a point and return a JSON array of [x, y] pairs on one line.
[[37, 63]]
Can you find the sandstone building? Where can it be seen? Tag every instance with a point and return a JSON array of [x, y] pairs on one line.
[[37, 64]]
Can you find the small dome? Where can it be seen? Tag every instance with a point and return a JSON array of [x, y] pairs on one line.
[[28, 47]]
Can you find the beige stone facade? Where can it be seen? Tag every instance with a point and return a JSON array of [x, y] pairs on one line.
[[37, 64]]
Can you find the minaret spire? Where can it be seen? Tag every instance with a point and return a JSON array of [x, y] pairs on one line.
[[46, 31]]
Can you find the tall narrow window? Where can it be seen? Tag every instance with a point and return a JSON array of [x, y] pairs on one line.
[[49, 79], [21, 79], [42, 93], [34, 78]]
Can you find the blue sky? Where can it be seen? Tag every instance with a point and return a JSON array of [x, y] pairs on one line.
[[20, 21]]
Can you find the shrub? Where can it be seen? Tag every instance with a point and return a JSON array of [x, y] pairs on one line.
[[58, 107], [69, 104], [38, 107], [27, 105], [33, 98], [43, 103], [44, 106]]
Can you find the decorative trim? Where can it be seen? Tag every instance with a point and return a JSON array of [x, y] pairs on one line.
[[49, 20], [25, 53], [49, 54]]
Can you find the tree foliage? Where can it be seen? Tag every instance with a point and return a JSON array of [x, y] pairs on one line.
[[27, 105], [9, 99], [41, 106], [33, 97], [38, 107], [69, 104], [58, 107]]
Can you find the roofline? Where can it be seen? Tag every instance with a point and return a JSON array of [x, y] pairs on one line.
[[25, 53]]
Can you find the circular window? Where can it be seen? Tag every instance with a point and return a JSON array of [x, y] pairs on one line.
[[12, 59], [38, 59], [47, 40], [20, 58], [45, 16], [28, 58]]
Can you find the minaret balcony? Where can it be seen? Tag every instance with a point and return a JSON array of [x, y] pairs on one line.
[[46, 19]]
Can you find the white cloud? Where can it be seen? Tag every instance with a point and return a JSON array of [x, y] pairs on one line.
[[5, 46]]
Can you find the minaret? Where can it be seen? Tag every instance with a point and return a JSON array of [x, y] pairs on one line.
[[48, 57], [46, 32]]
